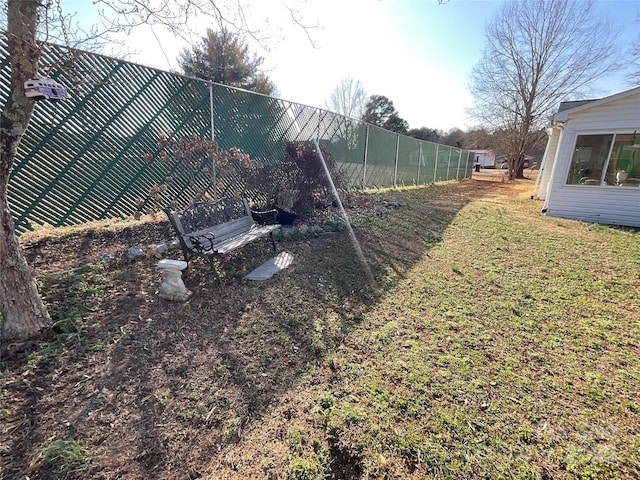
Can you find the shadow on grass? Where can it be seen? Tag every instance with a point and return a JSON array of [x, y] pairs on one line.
[[155, 388]]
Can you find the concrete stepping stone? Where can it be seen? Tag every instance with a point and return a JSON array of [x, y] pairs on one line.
[[269, 268]]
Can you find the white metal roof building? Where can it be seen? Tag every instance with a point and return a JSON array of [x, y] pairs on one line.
[[486, 158]]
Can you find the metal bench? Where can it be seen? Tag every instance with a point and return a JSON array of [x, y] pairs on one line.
[[206, 229]]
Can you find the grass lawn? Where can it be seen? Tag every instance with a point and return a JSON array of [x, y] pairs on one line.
[[460, 335]]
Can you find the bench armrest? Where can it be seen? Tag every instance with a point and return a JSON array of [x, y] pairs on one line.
[[201, 243]]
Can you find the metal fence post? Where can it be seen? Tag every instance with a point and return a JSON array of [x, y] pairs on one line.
[[419, 161], [366, 152], [459, 160], [435, 167], [449, 162], [395, 170], [213, 139]]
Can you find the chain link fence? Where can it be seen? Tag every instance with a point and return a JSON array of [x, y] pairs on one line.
[[81, 159]]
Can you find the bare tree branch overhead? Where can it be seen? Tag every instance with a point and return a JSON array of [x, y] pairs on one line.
[[177, 16]]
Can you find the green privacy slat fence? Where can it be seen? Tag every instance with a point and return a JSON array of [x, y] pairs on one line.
[[82, 159]]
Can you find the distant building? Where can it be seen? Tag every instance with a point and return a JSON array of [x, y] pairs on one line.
[[486, 158]]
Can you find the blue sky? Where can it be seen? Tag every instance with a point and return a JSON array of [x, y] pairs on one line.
[[415, 52]]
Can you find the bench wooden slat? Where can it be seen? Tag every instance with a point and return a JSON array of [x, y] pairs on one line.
[[241, 240], [233, 227]]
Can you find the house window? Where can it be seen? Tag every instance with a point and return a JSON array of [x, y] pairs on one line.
[[589, 159], [605, 160], [624, 166]]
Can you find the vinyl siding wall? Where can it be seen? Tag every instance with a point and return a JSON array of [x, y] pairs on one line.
[[603, 204]]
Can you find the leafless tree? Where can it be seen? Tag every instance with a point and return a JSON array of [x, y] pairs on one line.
[[23, 315], [478, 139], [634, 59], [537, 54], [634, 76], [348, 98]]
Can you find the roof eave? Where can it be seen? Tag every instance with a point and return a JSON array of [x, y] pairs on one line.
[[563, 116]]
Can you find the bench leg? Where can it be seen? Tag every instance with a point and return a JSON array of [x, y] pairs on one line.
[[273, 242]]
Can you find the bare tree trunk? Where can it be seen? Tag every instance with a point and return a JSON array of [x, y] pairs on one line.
[[24, 316]]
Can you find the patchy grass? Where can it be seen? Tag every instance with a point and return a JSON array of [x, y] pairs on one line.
[[464, 336], [65, 456]]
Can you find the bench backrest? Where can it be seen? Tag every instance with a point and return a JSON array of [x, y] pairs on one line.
[[229, 214]]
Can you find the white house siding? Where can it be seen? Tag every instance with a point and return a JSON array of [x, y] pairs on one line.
[[602, 204], [547, 163], [610, 205]]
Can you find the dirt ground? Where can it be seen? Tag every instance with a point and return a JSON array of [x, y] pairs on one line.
[[154, 389]]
